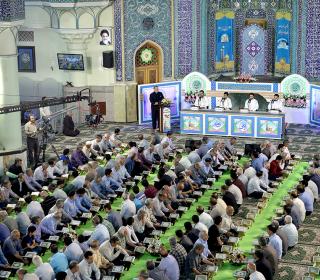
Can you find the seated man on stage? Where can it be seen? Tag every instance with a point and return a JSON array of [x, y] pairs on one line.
[[251, 103], [202, 101], [225, 102], [275, 104]]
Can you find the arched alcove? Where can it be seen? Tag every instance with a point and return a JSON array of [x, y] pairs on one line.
[[148, 60]]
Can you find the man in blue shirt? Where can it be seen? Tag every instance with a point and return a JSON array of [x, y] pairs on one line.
[[114, 217], [12, 248], [100, 189], [70, 205], [100, 233], [58, 261], [307, 199], [109, 182], [82, 203], [257, 162], [49, 223], [275, 241], [3, 261]]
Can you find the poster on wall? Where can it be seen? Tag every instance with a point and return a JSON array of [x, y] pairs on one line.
[[282, 53], [26, 59], [269, 128], [315, 105], [216, 124], [242, 126], [105, 37], [224, 41], [166, 119], [191, 123], [171, 91]]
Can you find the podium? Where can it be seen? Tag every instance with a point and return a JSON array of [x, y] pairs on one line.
[[164, 118]]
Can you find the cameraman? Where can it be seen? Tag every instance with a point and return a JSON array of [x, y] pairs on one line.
[[31, 131]]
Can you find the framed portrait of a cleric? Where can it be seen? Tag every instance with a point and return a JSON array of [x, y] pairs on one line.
[[26, 59], [243, 126], [105, 36]]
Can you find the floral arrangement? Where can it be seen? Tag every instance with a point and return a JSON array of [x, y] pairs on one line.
[[166, 102], [190, 97], [245, 78], [295, 102]]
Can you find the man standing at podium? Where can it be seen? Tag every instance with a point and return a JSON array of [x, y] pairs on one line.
[[251, 104], [155, 100], [275, 103]]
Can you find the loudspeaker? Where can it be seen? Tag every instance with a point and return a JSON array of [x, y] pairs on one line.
[[108, 59], [249, 148]]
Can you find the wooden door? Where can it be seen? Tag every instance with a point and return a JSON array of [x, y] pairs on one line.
[[153, 75], [141, 76], [147, 75]]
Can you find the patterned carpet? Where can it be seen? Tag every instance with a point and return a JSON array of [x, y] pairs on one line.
[[296, 262], [304, 139]]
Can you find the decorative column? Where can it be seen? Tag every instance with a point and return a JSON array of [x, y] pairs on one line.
[[77, 40], [10, 124]]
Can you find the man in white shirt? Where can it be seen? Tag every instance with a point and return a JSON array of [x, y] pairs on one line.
[[198, 225], [202, 101], [275, 104], [88, 151], [96, 143], [299, 204], [217, 209], [291, 231], [128, 208], [235, 191], [111, 249], [143, 143], [41, 173], [254, 187], [159, 209], [251, 103], [73, 271], [62, 167], [227, 225], [162, 150], [87, 267], [43, 270], [253, 273], [204, 217], [225, 102], [168, 139]]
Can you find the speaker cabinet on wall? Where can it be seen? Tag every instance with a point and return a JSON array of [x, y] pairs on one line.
[[108, 59]]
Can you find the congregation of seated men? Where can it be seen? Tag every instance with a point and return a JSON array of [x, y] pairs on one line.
[[74, 183]]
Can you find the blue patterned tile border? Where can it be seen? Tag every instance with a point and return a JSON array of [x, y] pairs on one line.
[[250, 87]]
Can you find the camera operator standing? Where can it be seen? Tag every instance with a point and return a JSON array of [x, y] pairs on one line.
[[31, 131]]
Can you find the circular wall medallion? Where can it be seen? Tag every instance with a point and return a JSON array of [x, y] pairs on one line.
[[146, 55], [294, 86]]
